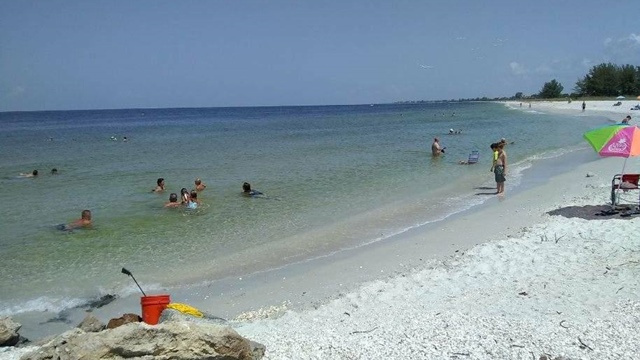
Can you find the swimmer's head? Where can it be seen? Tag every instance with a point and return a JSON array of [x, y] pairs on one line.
[[160, 181], [34, 173], [194, 194], [494, 146], [198, 181], [435, 139], [184, 191], [86, 214], [54, 171], [173, 197], [246, 187]]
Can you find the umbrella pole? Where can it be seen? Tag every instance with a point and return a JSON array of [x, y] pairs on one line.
[[624, 165]]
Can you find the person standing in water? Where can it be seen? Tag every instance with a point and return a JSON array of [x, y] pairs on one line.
[[436, 150], [500, 169]]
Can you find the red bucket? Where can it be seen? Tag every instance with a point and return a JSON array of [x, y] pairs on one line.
[[152, 307]]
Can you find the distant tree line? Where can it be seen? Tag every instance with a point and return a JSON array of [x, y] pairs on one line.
[[602, 80]]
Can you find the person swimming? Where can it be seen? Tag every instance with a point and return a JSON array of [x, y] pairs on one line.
[[199, 185], [34, 173], [193, 200], [160, 185], [173, 201], [246, 190], [83, 223]]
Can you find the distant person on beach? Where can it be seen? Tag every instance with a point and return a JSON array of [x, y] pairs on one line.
[[584, 105], [173, 201], [246, 190], [436, 150], [83, 222], [626, 119], [200, 185], [500, 169], [159, 186], [34, 173]]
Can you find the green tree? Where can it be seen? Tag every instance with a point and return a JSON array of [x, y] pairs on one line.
[[551, 89], [518, 95], [627, 80]]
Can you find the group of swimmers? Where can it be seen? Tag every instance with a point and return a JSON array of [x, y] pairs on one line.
[[188, 199]]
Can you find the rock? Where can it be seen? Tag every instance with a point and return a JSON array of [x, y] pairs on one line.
[[171, 340], [91, 324], [9, 332], [124, 319]]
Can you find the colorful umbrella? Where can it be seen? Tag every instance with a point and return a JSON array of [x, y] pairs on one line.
[[619, 140]]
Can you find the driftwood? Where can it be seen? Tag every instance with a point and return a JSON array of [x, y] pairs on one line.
[[363, 331], [583, 345]]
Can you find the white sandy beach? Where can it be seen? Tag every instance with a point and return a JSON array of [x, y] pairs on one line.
[[505, 282], [536, 284]]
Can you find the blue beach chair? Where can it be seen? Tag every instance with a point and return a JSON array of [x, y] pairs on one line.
[[474, 157]]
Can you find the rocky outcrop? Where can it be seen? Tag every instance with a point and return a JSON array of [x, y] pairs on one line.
[[9, 332], [91, 324], [124, 319], [170, 340]]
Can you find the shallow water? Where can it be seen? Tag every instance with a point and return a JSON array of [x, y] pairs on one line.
[[335, 177]]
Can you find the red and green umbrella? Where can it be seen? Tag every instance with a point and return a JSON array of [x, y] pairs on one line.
[[619, 140]]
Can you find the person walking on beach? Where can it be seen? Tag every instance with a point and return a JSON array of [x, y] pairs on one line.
[[500, 169], [584, 105], [436, 150]]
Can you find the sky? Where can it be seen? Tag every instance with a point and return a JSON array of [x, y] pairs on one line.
[[67, 55]]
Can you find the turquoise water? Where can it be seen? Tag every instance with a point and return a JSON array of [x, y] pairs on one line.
[[336, 177]]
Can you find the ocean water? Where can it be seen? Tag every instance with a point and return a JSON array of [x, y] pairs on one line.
[[335, 178]]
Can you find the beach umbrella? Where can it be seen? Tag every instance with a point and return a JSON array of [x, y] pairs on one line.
[[619, 140], [620, 97]]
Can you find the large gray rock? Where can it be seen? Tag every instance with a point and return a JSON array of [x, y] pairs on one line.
[[9, 332], [91, 324], [172, 340]]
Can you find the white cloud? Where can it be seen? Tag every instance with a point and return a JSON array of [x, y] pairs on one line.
[[625, 49], [517, 69]]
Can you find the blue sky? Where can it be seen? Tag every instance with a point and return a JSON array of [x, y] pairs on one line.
[[59, 55]]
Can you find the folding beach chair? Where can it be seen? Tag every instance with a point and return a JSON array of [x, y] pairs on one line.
[[623, 182], [473, 157]]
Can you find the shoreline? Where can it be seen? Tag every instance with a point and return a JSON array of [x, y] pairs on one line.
[[323, 283]]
